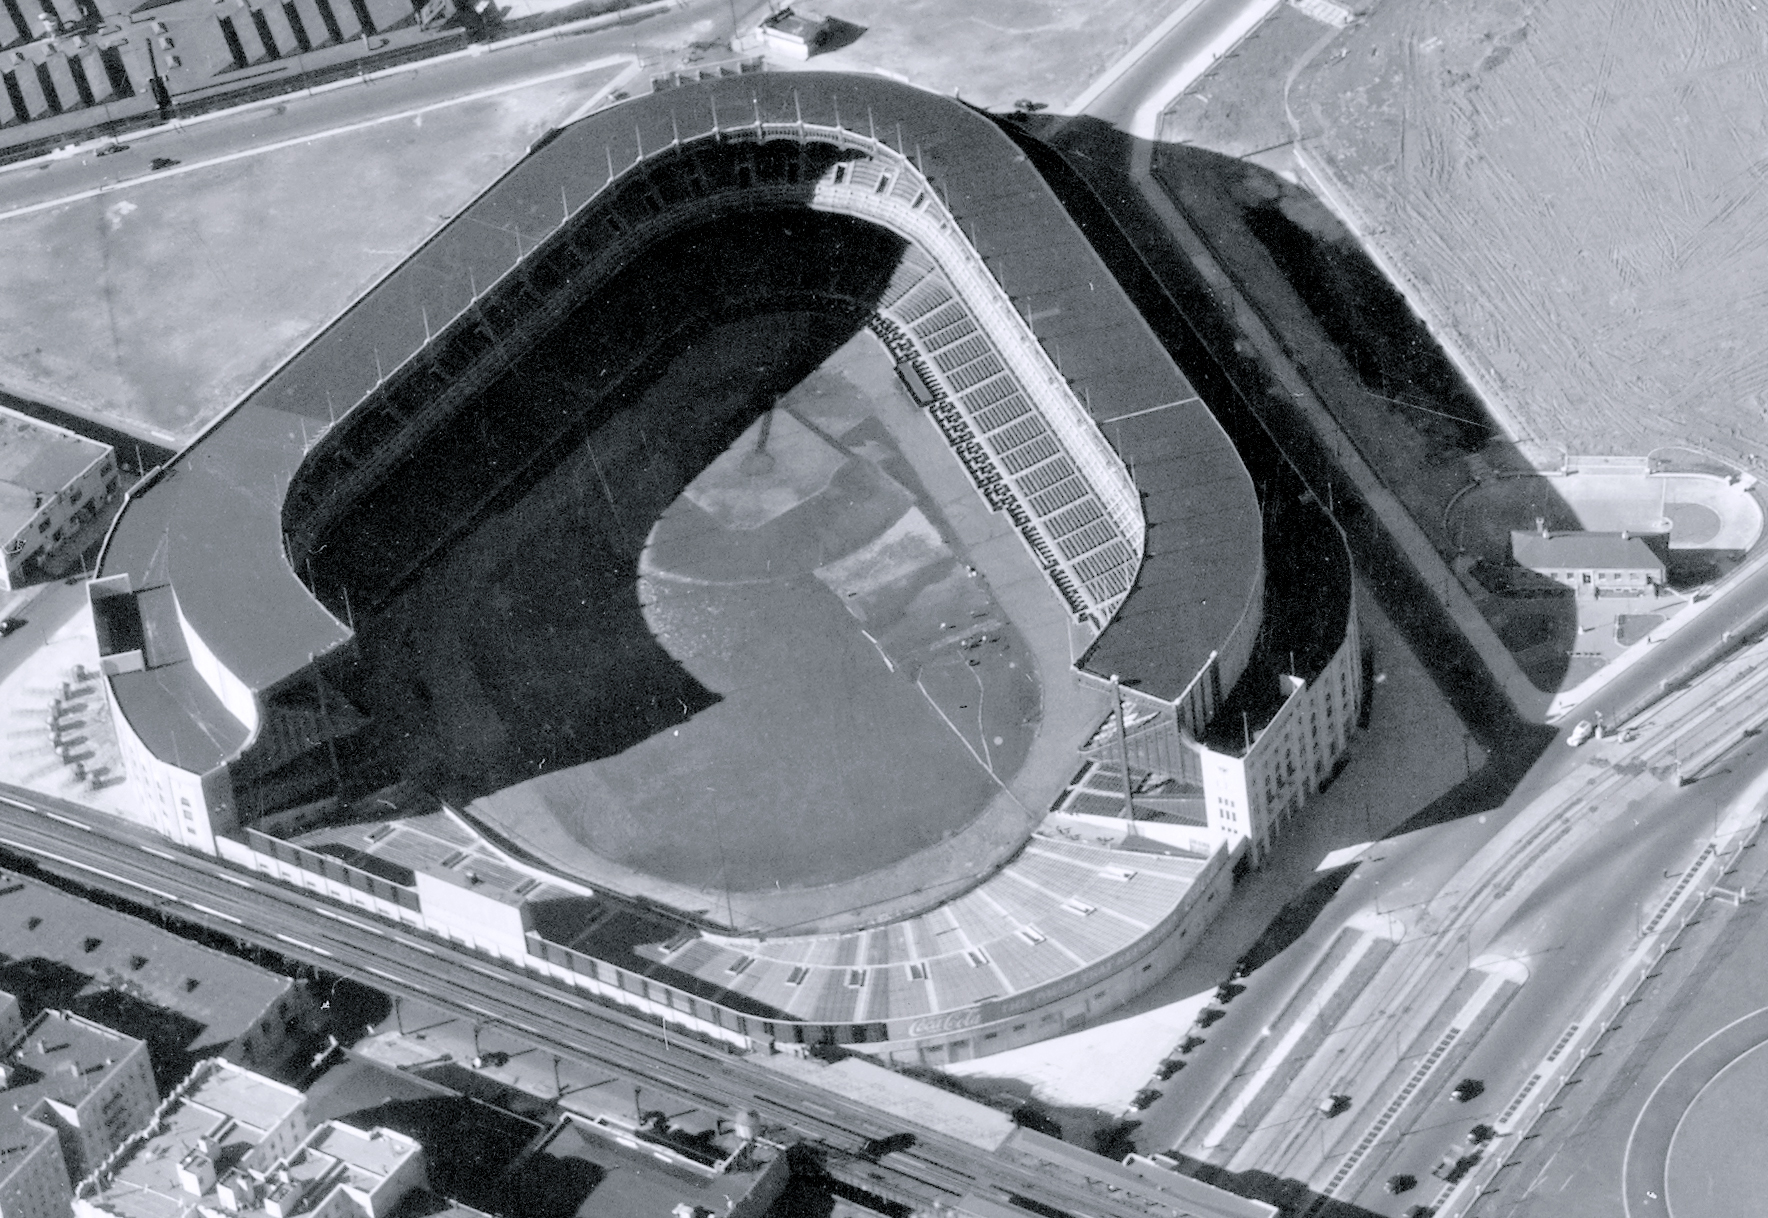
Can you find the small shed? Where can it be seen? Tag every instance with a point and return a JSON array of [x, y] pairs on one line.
[[794, 34]]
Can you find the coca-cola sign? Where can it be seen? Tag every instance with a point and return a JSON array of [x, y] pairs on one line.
[[949, 1021]]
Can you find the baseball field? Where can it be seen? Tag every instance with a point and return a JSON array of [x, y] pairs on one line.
[[835, 690], [724, 637]]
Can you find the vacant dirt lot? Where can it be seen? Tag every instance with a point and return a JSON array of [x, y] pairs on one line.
[[1575, 191], [156, 306]]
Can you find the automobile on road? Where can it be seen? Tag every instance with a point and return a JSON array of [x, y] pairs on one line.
[[1580, 733]]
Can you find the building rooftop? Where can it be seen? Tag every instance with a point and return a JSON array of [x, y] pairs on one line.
[[222, 1113], [630, 1179], [61, 1058], [804, 26], [36, 460], [367, 1156], [1540, 548], [440, 847], [255, 1103], [62, 951]]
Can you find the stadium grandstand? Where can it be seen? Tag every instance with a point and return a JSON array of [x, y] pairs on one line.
[[235, 586]]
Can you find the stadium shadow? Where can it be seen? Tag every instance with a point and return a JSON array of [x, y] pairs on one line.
[[500, 629], [1376, 366], [1091, 174]]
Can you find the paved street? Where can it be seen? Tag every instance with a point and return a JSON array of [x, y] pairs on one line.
[[263, 127], [1551, 886]]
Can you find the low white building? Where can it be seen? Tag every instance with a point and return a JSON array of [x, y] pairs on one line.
[[1591, 564], [52, 483], [793, 35]]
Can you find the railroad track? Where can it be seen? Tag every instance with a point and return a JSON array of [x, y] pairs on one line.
[[66, 840]]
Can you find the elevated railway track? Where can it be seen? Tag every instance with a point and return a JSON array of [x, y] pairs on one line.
[[66, 840]]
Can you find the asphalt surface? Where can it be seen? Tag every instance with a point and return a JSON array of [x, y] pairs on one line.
[[1157, 73]]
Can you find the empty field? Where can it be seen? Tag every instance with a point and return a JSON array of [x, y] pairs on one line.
[[154, 306], [1573, 194]]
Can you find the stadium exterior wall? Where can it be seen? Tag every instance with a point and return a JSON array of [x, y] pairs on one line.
[[909, 204], [502, 931], [925, 221], [1251, 796]]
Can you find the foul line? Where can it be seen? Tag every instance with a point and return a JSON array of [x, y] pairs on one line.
[[958, 734], [881, 655], [1136, 414]]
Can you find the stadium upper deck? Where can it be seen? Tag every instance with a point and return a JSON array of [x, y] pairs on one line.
[[203, 560]]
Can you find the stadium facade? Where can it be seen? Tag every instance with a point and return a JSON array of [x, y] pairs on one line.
[[1067, 413]]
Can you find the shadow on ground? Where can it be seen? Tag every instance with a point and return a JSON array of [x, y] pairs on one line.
[[1090, 175]]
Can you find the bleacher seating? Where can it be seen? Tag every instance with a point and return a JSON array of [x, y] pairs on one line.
[[1010, 452], [1056, 908]]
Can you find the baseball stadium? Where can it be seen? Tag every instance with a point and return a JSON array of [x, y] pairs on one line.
[[754, 563]]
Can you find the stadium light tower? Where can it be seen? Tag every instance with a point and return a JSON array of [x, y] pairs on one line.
[[1123, 746]]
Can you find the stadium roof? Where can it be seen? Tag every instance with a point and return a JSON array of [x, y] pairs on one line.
[[211, 525]]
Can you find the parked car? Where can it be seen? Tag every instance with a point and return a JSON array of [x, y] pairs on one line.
[[1168, 1068], [1334, 1104], [8, 625], [108, 149], [1453, 1165], [1145, 1099], [1479, 1135]]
